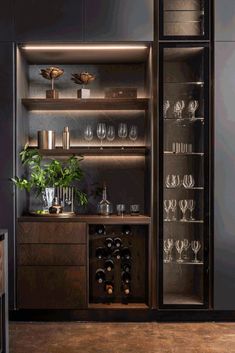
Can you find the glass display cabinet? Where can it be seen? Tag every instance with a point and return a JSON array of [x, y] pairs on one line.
[[184, 165], [184, 19]]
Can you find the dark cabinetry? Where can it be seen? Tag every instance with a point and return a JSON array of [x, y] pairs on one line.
[[6, 21]]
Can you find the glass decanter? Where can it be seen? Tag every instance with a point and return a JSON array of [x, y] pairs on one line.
[[104, 208]]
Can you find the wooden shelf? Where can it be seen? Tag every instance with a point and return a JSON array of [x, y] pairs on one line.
[[170, 153], [181, 299], [185, 263], [118, 306], [184, 222], [95, 151], [86, 104]]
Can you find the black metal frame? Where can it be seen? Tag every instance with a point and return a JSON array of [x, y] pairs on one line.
[[207, 24], [208, 187]]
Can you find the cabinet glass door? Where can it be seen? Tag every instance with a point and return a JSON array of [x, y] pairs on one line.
[[184, 126], [184, 19]]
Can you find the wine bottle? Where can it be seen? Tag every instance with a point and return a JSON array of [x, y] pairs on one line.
[[126, 230], [126, 266], [117, 242], [100, 253], [117, 254], [126, 289], [109, 287], [126, 254], [126, 277], [100, 276], [109, 242], [100, 229], [109, 265]]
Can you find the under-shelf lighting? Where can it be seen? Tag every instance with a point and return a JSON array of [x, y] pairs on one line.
[[85, 47]]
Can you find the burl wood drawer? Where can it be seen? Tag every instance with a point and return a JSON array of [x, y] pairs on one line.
[[51, 232], [51, 287], [51, 254]]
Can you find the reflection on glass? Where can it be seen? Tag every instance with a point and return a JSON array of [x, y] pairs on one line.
[[178, 109], [166, 106], [122, 132], [101, 133], [192, 107], [88, 133], [133, 133], [110, 133]]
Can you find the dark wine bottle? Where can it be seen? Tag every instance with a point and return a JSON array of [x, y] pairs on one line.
[[100, 229], [117, 254], [126, 277], [109, 287], [126, 266], [101, 253], [109, 265], [117, 242], [109, 242], [126, 230], [126, 254], [126, 289], [100, 276]]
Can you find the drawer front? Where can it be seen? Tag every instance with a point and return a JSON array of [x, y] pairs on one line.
[[51, 255], [51, 287], [52, 232]]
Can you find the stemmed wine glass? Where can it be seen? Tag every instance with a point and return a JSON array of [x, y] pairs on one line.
[[88, 133], [133, 133], [166, 106], [101, 133], [192, 107], [196, 246], [188, 181], [173, 209], [183, 207], [173, 181], [168, 246], [178, 109], [167, 207], [191, 207], [110, 133], [122, 132], [179, 244], [186, 247]]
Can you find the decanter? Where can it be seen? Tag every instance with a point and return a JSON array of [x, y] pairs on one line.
[[104, 207]]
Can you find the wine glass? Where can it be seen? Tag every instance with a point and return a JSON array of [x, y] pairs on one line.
[[191, 207], [167, 207], [178, 109], [179, 245], [122, 132], [110, 133], [133, 133], [183, 207], [186, 247], [88, 133], [173, 209], [192, 107], [166, 247], [101, 133], [188, 181], [196, 246], [172, 181], [170, 241], [166, 106]]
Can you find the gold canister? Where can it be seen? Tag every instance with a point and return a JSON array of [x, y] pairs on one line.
[[46, 139]]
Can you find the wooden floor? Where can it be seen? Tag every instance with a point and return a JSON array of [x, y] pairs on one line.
[[122, 338]]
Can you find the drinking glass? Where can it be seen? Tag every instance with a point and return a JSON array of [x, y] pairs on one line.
[[183, 207], [186, 247], [170, 242], [173, 209], [110, 133], [179, 245], [88, 133], [178, 109], [167, 207], [188, 181], [133, 133], [166, 248], [135, 210], [166, 106], [122, 132], [172, 181], [196, 246], [121, 209], [192, 107], [101, 133], [191, 207]]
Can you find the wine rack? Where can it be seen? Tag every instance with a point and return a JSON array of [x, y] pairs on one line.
[[118, 264]]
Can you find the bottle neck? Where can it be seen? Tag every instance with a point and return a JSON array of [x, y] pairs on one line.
[[104, 193]]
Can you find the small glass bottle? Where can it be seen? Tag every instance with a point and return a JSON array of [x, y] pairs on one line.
[[105, 207]]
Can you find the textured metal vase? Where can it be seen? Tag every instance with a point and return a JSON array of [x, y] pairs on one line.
[[48, 196]]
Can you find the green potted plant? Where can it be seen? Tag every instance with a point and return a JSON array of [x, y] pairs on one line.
[[43, 178]]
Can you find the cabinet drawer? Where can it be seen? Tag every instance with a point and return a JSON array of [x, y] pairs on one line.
[[51, 287], [52, 232], [2, 276], [52, 254]]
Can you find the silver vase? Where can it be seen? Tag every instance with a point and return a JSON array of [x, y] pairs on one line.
[[48, 196]]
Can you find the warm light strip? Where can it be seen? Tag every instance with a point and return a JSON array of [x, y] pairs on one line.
[[83, 47]]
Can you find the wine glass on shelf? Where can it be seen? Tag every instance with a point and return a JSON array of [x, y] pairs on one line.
[[110, 133], [196, 246], [192, 107], [191, 207], [166, 106], [167, 207], [88, 133], [133, 133], [172, 181], [186, 247], [188, 181], [179, 245], [173, 209], [122, 132], [166, 249], [101, 133], [183, 207], [170, 242], [178, 109]]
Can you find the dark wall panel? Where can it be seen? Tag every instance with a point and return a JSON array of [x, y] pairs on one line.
[[119, 20], [6, 21]]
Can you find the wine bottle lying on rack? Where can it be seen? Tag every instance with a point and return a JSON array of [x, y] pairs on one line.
[[109, 287], [126, 289], [126, 254], [117, 254], [126, 266], [100, 229], [126, 230], [100, 276], [109, 265], [117, 242], [126, 277], [101, 253], [109, 242]]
